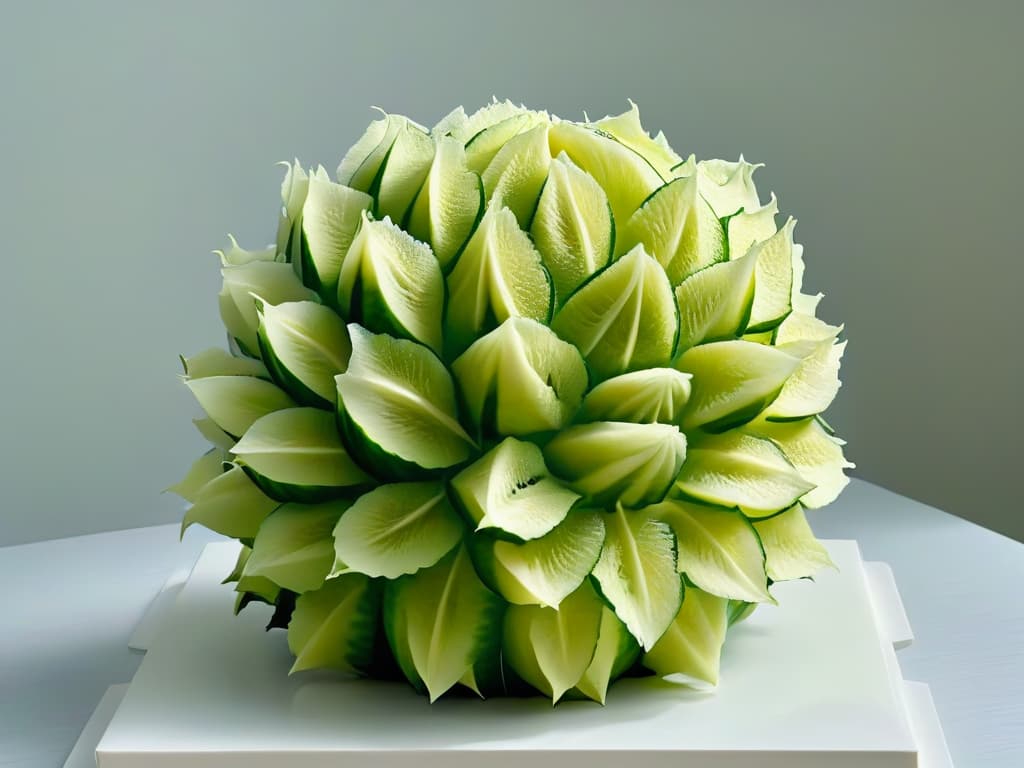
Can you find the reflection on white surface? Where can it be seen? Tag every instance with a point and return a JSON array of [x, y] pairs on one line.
[[810, 675]]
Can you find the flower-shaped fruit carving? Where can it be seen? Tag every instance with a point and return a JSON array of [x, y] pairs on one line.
[[517, 403]]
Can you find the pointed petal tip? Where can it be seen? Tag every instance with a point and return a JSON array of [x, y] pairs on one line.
[[261, 303]]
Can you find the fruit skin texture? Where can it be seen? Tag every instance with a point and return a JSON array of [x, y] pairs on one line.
[[517, 404]]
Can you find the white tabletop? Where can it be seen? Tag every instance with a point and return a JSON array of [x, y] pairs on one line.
[[70, 605]]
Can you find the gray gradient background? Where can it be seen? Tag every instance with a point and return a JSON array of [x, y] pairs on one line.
[[134, 138]]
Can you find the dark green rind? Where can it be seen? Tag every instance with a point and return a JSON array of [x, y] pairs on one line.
[[238, 348], [628, 656], [303, 494], [368, 309], [606, 135], [236, 572], [675, 492], [479, 545], [491, 674], [613, 236], [495, 533], [682, 591], [366, 651], [742, 416], [675, 337], [768, 325], [514, 686], [492, 534], [311, 278], [374, 189], [394, 628], [382, 664], [472, 230], [787, 419], [755, 518], [745, 320], [825, 425], [454, 344], [606, 501], [749, 523], [593, 378], [723, 222], [372, 658], [738, 333], [484, 432], [247, 596], [284, 378], [488, 669], [284, 607], [738, 610], [374, 460], [488, 665], [481, 209]]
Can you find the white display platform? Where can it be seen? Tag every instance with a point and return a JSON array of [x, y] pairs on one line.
[[83, 754], [148, 628], [811, 683]]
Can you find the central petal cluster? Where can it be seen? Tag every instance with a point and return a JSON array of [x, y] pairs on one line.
[[517, 403]]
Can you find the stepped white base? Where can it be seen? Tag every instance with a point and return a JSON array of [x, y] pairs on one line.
[[812, 683]]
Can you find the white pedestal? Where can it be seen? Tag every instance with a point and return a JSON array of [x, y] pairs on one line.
[[813, 683]]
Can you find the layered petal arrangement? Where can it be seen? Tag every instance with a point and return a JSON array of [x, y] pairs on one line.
[[515, 405]]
